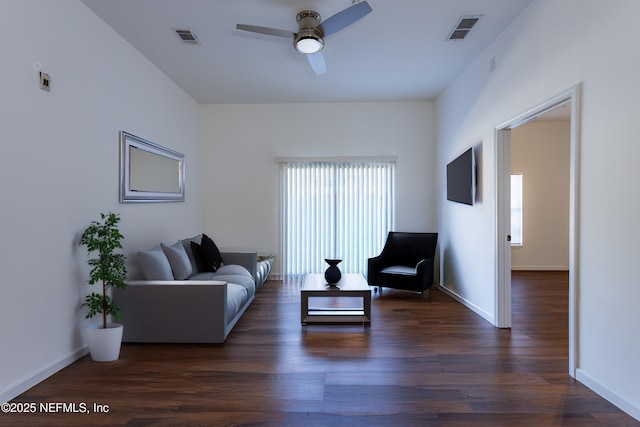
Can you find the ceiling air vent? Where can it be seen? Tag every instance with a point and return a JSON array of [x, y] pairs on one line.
[[186, 35], [462, 28]]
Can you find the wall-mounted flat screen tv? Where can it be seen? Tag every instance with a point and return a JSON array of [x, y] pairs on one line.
[[461, 178]]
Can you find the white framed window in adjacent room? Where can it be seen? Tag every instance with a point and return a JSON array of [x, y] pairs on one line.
[[340, 208], [516, 209]]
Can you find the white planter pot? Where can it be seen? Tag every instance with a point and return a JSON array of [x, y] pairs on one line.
[[104, 344]]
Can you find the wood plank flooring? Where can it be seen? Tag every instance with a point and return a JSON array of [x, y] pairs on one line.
[[422, 362]]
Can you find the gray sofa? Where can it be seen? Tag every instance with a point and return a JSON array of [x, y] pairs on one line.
[[176, 301]]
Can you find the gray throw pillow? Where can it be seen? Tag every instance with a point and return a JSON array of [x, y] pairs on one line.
[[186, 243], [155, 265], [178, 259]]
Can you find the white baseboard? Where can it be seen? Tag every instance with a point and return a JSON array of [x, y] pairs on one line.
[[540, 267], [488, 317], [607, 394], [17, 388]]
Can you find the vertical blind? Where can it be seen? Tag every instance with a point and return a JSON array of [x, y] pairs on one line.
[[341, 209]]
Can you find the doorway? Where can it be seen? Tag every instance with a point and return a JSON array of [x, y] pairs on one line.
[[569, 98]]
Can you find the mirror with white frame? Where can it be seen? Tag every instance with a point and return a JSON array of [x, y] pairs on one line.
[[149, 172]]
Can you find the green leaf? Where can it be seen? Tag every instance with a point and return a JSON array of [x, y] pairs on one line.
[[109, 268]]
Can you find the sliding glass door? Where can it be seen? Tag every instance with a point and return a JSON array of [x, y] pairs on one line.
[[335, 209]]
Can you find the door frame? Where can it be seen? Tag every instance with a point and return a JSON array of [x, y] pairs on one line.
[[502, 186]]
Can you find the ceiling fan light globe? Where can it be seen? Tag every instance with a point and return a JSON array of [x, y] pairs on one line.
[[309, 45], [308, 40]]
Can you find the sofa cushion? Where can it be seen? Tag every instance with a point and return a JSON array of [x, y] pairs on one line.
[[239, 279], [234, 269], [203, 276], [206, 254], [399, 269], [178, 259], [155, 265], [236, 298], [244, 281]]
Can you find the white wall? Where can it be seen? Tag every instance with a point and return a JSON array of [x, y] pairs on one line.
[[60, 170], [549, 48], [540, 152], [241, 177]]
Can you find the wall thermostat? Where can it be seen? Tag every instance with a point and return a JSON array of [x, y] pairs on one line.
[[45, 81]]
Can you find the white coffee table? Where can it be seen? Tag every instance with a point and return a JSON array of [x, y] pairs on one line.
[[349, 286]]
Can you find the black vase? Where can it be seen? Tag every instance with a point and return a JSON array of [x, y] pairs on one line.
[[332, 275]]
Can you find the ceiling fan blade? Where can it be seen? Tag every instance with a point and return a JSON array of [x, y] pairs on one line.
[[265, 30], [345, 18], [316, 60]]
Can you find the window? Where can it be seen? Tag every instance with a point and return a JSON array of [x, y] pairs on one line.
[[516, 210], [340, 210]]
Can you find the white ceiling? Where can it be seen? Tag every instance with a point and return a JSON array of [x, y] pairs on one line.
[[398, 52]]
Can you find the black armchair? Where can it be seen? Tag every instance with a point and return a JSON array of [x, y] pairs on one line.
[[406, 262]]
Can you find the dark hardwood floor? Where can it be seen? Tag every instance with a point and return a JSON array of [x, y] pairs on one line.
[[422, 362]]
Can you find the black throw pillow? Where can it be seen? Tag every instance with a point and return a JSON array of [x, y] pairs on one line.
[[197, 256], [206, 254]]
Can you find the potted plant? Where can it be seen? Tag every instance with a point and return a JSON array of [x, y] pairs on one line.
[[109, 270]]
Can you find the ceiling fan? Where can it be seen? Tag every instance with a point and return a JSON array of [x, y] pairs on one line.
[[311, 33]]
